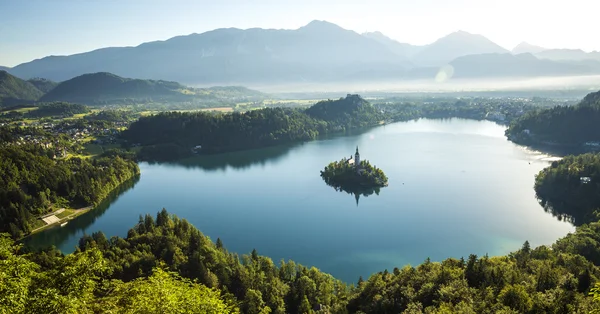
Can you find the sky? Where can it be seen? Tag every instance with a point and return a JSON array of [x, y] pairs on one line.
[[32, 29]]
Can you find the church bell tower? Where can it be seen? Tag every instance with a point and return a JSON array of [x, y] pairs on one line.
[[357, 158]]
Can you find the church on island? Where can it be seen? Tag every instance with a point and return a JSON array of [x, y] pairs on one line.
[[356, 160], [354, 176]]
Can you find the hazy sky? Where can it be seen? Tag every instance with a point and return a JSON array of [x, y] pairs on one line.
[[31, 29]]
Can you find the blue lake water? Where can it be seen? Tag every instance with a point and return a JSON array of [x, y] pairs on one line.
[[456, 187]]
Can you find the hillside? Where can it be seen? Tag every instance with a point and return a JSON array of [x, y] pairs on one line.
[[107, 88], [15, 91], [403, 50], [573, 125], [4, 68], [350, 112], [43, 84], [562, 192]]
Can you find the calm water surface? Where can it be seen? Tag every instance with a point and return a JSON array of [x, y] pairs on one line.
[[456, 187]]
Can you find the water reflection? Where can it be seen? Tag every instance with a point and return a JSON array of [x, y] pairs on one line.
[[237, 160], [559, 150], [59, 234], [357, 191], [575, 212]]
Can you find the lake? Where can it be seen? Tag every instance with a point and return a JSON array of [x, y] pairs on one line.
[[456, 187]]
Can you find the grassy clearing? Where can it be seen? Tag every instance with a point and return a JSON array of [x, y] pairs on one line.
[[301, 102], [65, 216], [65, 213], [219, 109], [25, 110], [92, 150], [38, 223], [147, 113], [79, 115]]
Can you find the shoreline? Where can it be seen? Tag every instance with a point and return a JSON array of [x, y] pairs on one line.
[[74, 213]]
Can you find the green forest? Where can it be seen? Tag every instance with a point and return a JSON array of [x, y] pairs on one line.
[[34, 182], [570, 188], [173, 135], [165, 265], [44, 85], [15, 91], [569, 125]]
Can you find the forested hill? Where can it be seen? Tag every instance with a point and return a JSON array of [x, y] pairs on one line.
[[33, 183], [349, 112], [151, 269], [570, 188], [43, 84], [97, 88], [570, 125], [15, 91], [173, 135]]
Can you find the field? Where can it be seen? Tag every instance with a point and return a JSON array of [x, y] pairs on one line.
[[20, 110], [219, 109], [92, 150], [297, 102]]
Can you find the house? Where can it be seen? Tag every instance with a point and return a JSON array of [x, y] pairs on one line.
[[585, 180]]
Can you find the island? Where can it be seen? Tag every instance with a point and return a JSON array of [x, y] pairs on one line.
[[354, 176]]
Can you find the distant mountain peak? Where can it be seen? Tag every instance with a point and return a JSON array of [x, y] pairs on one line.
[[454, 45], [463, 35], [525, 47], [321, 25], [375, 34]]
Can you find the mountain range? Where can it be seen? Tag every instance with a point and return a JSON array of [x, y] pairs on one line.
[[318, 52]]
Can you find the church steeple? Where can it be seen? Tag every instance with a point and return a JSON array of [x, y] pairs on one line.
[[357, 159]]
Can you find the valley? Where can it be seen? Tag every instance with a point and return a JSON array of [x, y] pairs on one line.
[[192, 157]]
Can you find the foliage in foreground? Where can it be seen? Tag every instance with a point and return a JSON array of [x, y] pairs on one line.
[[80, 283], [141, 273]]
